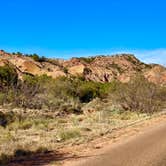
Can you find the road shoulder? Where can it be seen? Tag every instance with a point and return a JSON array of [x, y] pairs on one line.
[[118, 136]]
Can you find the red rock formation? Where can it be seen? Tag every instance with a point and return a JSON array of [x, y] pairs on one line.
[[100, 69]]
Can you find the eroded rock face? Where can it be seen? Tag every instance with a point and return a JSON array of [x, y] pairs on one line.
[[107, 68], [157, 74], [100, 69], [26, 65]]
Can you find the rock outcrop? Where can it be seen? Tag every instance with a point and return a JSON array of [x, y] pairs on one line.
[[100, 68]]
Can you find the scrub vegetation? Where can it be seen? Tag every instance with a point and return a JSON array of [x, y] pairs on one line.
[[51, 113]]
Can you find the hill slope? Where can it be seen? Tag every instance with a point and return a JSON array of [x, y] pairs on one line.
[[100, 68]]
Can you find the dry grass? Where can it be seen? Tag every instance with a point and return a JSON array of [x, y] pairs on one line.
[[49, 132], [36, 130]]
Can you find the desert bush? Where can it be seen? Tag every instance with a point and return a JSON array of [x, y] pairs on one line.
[[63, 88], [19, 53], [104, 89], [45, 92], [87, 71], [36, 57], [2, 98], [8, 80], [65, 70], [87, 59], [6, 118], [66, 94], [29, 92], [87, 92], [8, 76], [163, 93], [139, 95], [24, 95]]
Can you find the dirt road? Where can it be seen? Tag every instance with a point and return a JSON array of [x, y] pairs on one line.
[[146, 149]]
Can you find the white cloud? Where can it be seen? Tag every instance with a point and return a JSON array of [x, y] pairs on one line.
[[152, 56], [157, 56]]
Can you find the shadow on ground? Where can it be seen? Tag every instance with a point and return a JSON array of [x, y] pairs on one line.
[[42, 159]]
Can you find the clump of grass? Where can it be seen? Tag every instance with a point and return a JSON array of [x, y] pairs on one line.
[[42, 123], [127, 115], [25, 125], [20, 125], [69, 134], [42, 150]]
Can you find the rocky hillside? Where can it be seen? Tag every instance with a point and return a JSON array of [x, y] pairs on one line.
[[100, 68]]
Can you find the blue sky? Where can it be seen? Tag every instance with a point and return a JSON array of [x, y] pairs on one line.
[[68, 28]]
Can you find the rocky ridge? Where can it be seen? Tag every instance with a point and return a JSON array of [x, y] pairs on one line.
[[100, 68]]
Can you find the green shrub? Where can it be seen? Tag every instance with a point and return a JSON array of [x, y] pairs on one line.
[[87, 59], [2, 98], [65, 70], [31, 80], [37, 58], [87, 71], [19, 53], [104, 89], [87, 91], [8, 76]]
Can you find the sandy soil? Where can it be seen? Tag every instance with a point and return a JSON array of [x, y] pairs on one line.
[[143, 144], [137, 145]]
